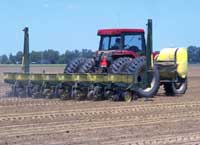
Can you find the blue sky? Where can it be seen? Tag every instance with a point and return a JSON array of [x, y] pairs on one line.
[[73, 24]]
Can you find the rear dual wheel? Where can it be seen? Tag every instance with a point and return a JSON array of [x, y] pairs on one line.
[[120, 65], [74, 65], [88, 66], [80, 65]]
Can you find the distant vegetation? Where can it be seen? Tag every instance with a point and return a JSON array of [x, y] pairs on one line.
[[54, 57], [47, 57], [193, 54]]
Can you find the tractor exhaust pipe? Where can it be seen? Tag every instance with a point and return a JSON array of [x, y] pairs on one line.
[[149, 47], [25, 57]]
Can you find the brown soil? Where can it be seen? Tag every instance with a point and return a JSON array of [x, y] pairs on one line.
[[164, 120]]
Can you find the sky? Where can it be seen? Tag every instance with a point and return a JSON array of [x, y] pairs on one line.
[[72, 24]]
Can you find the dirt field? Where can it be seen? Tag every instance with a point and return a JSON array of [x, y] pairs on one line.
[[164, 120]]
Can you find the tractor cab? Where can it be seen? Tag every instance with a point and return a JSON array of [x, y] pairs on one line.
[[116, 43], [122, 39]]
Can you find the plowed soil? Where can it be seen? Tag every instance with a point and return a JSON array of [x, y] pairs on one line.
[[163, 120]]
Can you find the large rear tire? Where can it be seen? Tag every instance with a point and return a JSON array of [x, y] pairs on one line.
[[138, 67], [88, 66], [120, 65], [176, 88], [74, 66]]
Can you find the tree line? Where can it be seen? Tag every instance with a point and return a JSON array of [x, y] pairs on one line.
[[49, 56], [54, 57], [193, 54]]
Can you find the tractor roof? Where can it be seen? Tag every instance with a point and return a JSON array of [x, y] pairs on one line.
[[118, 31]]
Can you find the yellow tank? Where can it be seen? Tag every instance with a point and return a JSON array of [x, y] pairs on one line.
[[178, 55]]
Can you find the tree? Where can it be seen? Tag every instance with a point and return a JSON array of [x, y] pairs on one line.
[[12, 59], [51, 56], [61, 59], [87, 53], [194, 54], [36, 57], [19, 57], [4, 59]]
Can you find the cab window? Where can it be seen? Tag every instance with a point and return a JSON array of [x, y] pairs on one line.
[[105, 43], [133, 42], [110, 43]]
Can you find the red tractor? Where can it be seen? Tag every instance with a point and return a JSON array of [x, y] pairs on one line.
[[125, 51], [116, 49], [121, 51]]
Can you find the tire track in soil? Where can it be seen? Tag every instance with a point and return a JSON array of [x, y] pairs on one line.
[[166, 139], [127, 139], [111, 139], [112, 135], [81, 105], [50, 115], [99, 123]]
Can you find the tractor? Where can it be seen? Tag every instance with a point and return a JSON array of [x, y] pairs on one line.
[[123, 67], [123, 51], [117, 48]]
